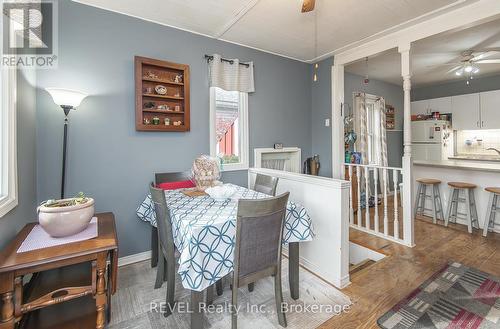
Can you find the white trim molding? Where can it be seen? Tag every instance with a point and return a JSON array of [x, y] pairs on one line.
[[135, 258], [8, 141]]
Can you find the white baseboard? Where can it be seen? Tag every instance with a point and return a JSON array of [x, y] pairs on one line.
[[135, 258]]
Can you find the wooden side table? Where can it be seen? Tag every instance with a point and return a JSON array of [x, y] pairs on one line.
[[68, 275]]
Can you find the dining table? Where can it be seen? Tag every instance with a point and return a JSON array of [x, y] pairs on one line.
[[204, 232]]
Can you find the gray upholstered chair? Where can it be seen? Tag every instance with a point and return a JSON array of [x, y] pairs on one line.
[[163, 178], [257, 254], [166, 247], [265, 184]]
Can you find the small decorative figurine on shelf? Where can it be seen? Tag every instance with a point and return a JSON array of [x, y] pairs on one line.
[[146, 121], [167, 121], [161, 90], [177, 123], [163, 107], [178, 78], [151, 75], [177, 94], [148, 90], [177, 108], [149, 105], [156, 121]]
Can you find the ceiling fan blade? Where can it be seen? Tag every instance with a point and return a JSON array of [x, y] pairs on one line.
[[454, 69], [444, 64], [488, 61], [485, 55], [308, 5]]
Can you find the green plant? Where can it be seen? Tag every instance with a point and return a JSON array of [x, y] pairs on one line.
[[80, 198]]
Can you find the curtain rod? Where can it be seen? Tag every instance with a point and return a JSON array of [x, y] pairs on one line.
[[209, 58]]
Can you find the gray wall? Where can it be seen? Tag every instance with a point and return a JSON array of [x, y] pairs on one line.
[[321, 109], [393, 95], [456, 88], [25, 212], [108, 159]]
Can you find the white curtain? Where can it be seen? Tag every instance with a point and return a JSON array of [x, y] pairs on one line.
[[231, 76], [370, 107]]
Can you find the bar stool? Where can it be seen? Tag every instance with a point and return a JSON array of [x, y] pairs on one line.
[[470, 204], [489, 222], [437, 206]]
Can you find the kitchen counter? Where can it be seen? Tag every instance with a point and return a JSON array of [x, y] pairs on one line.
[[482, 174], [461, 164], [476, 158]]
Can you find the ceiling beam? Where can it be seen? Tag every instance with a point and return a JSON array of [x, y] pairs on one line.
[[241, 13]]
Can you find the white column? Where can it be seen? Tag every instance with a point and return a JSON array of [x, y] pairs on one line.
[[407, 193], [337, 122]]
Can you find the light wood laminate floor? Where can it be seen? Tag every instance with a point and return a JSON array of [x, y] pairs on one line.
[[377, 288]]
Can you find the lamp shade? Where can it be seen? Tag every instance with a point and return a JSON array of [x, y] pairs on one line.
[[66, 97]]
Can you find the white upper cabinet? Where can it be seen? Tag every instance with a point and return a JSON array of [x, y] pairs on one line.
[[428, 106], [466, 112], [420, 107], [442, 105], [490, 109]]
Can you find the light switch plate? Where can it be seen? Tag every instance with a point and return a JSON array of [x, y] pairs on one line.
[[327, 122]]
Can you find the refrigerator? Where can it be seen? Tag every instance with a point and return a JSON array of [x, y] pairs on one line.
[[431, 140]]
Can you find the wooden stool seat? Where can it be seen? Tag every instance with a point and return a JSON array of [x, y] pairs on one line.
[[495, 190], [429, 181], [462, 185]]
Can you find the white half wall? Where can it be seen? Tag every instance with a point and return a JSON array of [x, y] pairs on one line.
[[327, 202]]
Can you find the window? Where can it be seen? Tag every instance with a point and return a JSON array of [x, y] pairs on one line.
[[373, 131], [8, 146], [229, 128]]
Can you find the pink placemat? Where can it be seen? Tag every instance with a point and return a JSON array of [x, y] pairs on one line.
[[39, 239]]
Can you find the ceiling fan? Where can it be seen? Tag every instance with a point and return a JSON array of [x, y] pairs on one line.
[[308, 5], [471, 61]]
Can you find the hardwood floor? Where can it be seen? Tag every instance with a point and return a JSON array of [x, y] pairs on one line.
[[377, 288]]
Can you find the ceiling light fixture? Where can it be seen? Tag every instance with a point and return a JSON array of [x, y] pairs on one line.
[[316, 65]]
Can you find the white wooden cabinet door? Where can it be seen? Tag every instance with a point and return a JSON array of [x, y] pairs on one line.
[[442, 105], [420, 107], [490, 109], [466, 112]]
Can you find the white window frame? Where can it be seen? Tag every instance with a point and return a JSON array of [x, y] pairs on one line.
[[8, 129], [373, 129], [242, 133]]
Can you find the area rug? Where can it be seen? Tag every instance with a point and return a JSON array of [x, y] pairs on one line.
[[134, 304], [455, 297]]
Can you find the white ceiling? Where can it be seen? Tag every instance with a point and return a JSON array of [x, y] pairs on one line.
[[277, 26], [429, 54]]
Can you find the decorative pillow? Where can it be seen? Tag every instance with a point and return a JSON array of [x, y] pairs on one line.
[[176, 185]]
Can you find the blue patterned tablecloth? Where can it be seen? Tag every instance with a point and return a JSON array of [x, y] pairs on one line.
[[204, 232]]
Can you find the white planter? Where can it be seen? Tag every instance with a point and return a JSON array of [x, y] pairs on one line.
[[59, 222]]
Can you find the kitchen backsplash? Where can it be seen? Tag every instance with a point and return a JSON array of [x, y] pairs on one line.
[[477, 141]]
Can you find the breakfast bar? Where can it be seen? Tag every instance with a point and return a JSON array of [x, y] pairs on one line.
[[482, 174]]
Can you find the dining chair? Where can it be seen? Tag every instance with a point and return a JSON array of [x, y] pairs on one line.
[[257, 254], [265, 184], [166, 247], [164, 178]]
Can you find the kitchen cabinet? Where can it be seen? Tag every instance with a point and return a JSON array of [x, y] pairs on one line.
[[442, 105], [490, 109], [466, 112], [420, 107], [427, 106]]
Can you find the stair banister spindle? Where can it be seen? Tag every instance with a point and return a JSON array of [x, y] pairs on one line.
[[359, 195], [367, 197], [386, 213], [395, 175], [351, 209], [375, 183]]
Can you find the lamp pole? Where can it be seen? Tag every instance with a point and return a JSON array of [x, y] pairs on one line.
[[66, 109]]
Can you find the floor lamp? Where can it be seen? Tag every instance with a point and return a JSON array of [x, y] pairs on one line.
[[67, 100]]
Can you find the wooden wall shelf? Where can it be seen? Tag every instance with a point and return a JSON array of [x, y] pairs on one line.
[[150, 73]]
